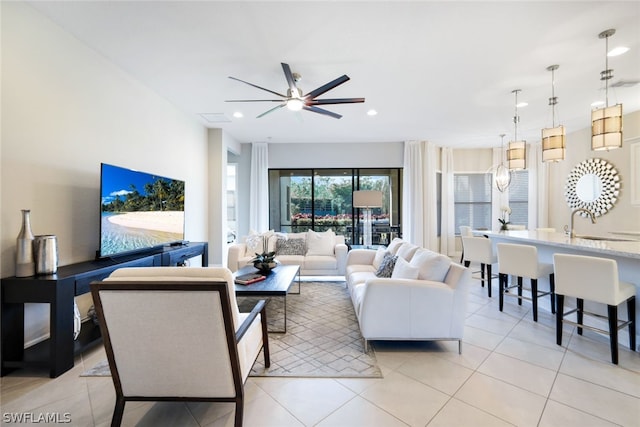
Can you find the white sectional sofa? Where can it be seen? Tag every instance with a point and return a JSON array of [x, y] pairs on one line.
[[424, 299], [317, 253]]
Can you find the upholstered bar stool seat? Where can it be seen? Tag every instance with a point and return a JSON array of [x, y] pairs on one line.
[[479, 249], [522, 261], [465, 231], [594, 279]]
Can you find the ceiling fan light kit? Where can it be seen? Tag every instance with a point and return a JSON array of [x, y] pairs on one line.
[[294, 100]]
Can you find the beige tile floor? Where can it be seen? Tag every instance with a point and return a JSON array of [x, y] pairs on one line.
[[511, 373]]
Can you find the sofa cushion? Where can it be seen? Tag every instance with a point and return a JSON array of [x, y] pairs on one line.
[[320, 262], [290, 247], [404, 270], [378, 258], [321, 243], [431, 265], [356, 268], [360, 277], [395, 245], [406, 251], [290, 259], [386, 266]]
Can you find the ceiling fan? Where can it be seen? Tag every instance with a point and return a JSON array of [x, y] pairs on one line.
[[296, 101]]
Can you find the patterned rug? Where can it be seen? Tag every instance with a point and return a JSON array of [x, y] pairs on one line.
[[322, 339]]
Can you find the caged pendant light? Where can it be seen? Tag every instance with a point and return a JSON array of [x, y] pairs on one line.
[[606, 123], [517, 151], [502, 174], [553, 139]]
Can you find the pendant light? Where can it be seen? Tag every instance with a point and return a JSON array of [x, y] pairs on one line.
[[502, 175], [553, 139], [517, 151], [606, 123]]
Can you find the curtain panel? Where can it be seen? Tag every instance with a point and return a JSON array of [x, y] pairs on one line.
[[259, 188]]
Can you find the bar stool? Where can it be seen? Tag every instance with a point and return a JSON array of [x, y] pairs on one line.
[[479, 249], [522, 261], [465, 231], [594, 279]]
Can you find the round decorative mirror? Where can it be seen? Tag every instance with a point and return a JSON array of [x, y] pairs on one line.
[[593, 184]]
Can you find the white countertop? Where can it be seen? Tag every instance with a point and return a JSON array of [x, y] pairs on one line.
[[612, 245]]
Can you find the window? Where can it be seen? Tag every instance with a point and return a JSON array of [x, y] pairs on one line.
[[319, 199], [472, 200], [519, 197]]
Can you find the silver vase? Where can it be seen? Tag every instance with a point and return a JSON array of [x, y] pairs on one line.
[[25, 265]]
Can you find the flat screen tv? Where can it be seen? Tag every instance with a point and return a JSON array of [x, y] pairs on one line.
[[138, 211]]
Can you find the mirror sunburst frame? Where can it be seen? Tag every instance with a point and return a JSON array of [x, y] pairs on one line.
[[606, 191]]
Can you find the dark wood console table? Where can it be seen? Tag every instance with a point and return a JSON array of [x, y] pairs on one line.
[[58, 290]]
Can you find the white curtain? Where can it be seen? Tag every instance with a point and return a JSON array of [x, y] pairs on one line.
[[413, 211], [431, 198], [259, 188], [498, 198], [419, 198], [447, 238]]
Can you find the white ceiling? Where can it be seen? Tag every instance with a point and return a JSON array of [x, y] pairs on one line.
[[437, 71]]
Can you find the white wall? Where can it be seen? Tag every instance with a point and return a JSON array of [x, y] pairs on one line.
[[65, 109], [336, 155], [623, 216]]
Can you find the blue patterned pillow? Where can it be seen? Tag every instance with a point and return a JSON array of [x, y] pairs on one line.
[[386, 266]]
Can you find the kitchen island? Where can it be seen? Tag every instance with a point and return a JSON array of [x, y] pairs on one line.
[[623, 248]]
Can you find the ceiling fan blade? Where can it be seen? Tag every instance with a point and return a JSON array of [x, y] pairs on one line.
[[271, 110], [253, 100], [258, 87], [335, 101], [322, 111], [290, 80], [327, 87]]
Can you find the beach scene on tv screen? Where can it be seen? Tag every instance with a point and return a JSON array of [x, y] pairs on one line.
[[139, 210]]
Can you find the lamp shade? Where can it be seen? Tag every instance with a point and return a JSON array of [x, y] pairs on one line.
[[517, 155], [606, 128], [367, 199], [553, 144]]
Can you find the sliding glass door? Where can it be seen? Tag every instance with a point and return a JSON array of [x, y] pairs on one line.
[[322, 199]]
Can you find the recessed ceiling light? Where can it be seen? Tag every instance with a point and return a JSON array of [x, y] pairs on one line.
[[522, 104], [618, 51], [238, 115], [597, 103], [372, 113]]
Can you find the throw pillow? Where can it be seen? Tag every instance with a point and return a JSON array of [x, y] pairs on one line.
[[256, 242], [321, 243], [290, 247], [386, 266], [378, 258], [404, 270], [395, 245], [406, 251], [431, 265]]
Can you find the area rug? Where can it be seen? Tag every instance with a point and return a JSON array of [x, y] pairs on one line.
[[323, 338]]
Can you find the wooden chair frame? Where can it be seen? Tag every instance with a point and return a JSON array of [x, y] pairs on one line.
[[232, 337]]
